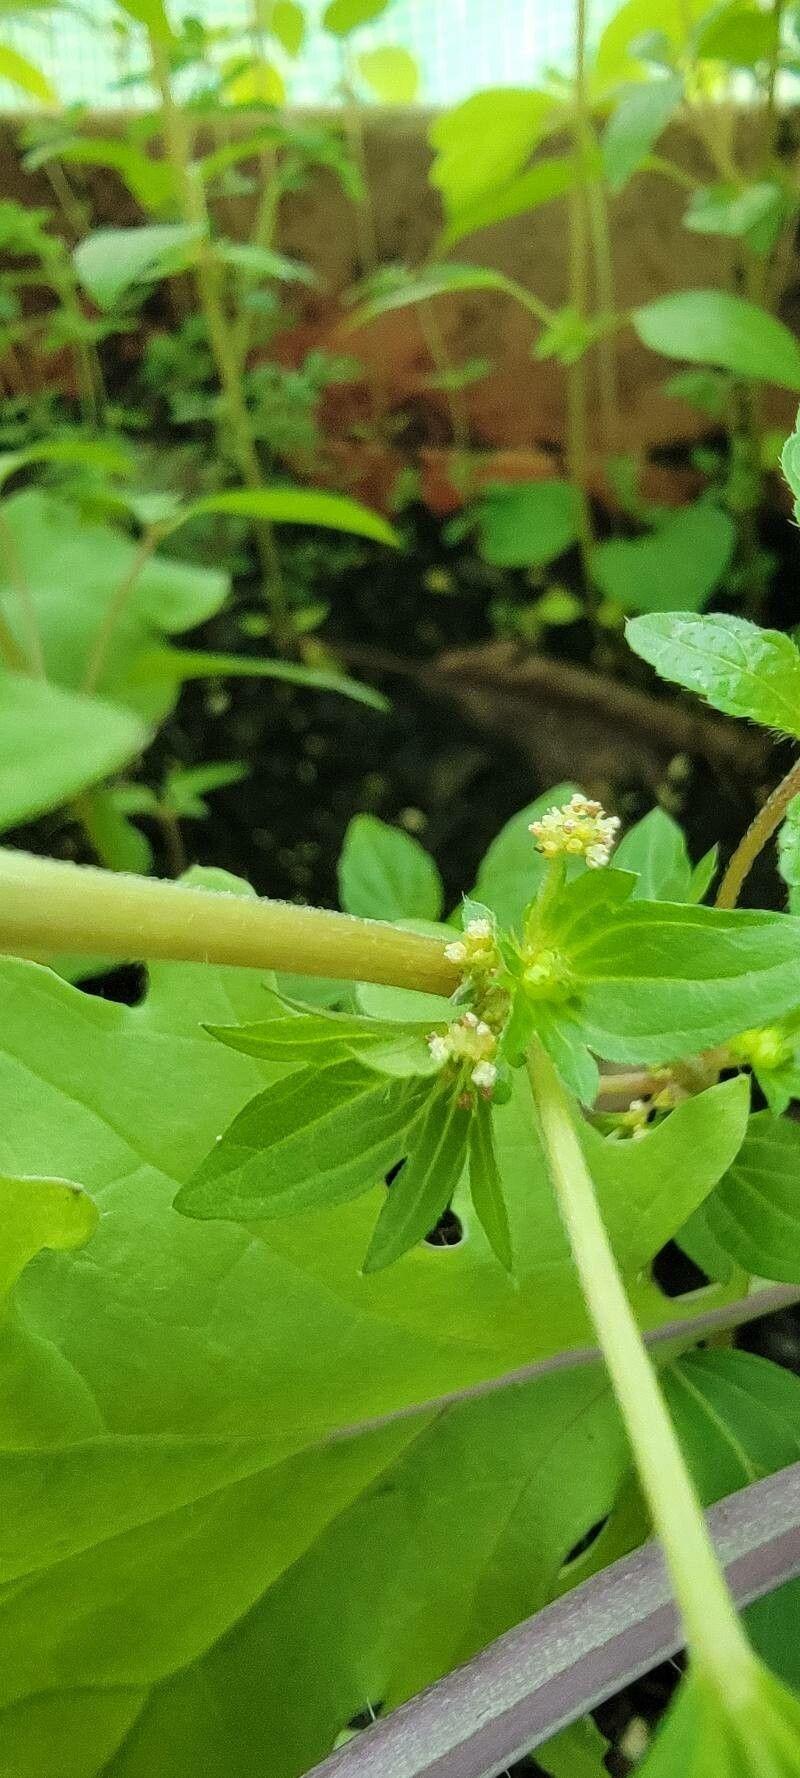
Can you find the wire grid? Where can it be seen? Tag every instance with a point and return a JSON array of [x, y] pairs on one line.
[[459, 45]]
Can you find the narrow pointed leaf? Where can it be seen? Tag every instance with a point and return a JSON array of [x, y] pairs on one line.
[[485, 1188], [425, 1185]]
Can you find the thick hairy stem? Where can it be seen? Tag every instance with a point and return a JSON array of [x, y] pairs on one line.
[[47, 906], [713, 1630], [766, 823], [220, 338]]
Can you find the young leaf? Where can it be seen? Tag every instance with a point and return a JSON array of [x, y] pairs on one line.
[[320, 1137], [715, 327], [754, 213], [642, 111], [287, 22], [733, 664], [343, 16], [55, 743], [656, 850], [512, 869], [528, 524], [485, 1186], [385, 874], [509, 122], [113, 261], [755, 1212], [739, 33], [157, 668], [426, 1182], [402, 290], [617, 57], [295, 1036], [295, 506], [789, 853], [392, 73], [578, 1752], [551, 176], [37, 1213], [687, 556]]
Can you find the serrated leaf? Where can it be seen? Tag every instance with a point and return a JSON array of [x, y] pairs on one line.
[[485, 1185], [789, 853], [392, 73], [685, 558], [426, 1182], [735, 665], [113, 261], [529, 524], [642, 111], [343, 16], [320, 1137], [385, 874], [656, 850], [716, 327], [54, 743], [754, 1214]]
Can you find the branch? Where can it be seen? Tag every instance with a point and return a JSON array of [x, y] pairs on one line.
[[552, 1669]]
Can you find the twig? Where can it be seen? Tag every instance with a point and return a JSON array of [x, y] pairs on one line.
[[766, 823]]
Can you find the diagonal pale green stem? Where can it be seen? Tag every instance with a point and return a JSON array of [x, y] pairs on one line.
[[713, 1630], [48, 906]]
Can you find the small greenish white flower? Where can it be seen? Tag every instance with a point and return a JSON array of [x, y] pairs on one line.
[[468, 1040], [476, 953], [578, 829]]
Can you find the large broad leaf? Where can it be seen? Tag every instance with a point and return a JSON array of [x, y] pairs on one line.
[[112, 262], [754, 1214], [175, 1402], [508, 122], [642, 111], [714, 327], [385, 874], [75, 570], [527, 525], [733, 664], [55, 743], [651, 982], [683, 561]]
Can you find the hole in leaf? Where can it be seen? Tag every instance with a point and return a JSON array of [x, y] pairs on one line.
[[127, 984], [363, 1718], [584, 1543], [675, 1273], [393, 1171], [448, 1232]]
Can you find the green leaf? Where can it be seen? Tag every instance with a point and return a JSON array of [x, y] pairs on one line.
[[616, 59], [755, 213], [392, 73], [263, 262], [529, 524], [739, 33], [343, 16], [55, 743], [287, 22], [686, 557], [754, 1214], [789, 853], [485, 1185], [509, 122], [21, 72], [151, 182], [656, 850], [578, 1752], [297, 1036], [295, 506], [550, 177], [82, 453], [320, 1137], [158, 667], [426, 1182], [385, 874], [37, 1213], [74, 570], [736, 666], [401, 290], [642, 111], [653, 981], [790, 464], [151, 13], [703, 874], [510, 872], [184, 790], [715, 327], [113, 261]]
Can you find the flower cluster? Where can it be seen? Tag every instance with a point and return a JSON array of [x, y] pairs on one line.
[[476, 953], [763, 1047], [579, 828], [469, 1040]]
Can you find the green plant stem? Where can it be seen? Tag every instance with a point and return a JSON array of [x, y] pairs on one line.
[[760, 831], [47, 905], [220, 338], [34, 661], [88, 369], [101, 646], [262, 236], [714, 1633], [577, 462]]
